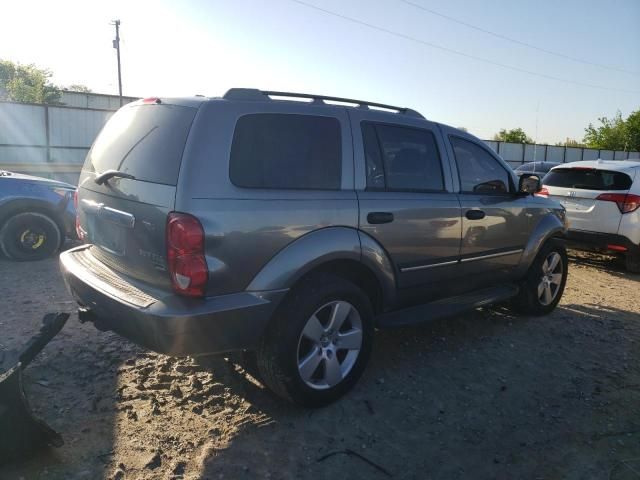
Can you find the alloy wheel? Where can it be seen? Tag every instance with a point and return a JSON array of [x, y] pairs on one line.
[[549, 285], [329, 345]]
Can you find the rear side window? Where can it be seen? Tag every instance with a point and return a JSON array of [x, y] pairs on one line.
[[587, 179], [480, 172], [401, 158], [286, 151], [146, 141]]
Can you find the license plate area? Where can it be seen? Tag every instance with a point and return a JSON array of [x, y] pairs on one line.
[[107, 235]]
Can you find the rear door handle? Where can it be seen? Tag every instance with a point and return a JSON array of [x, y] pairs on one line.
[[380, 217], [475, 214]]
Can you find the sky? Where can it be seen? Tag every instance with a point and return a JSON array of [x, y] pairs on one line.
[[397, 52]]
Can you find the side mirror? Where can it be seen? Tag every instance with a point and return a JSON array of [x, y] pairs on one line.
[[529, 184]]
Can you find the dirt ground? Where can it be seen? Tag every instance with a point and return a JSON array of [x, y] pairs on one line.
[[485, 395]]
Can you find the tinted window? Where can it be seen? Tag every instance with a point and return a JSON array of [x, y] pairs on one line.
[[146, 141], [587, 179], [479, 171], [401, 158], [373, 157], [286, 151]]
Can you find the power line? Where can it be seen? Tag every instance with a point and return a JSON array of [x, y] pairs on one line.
[[457, 52], [519, 42]]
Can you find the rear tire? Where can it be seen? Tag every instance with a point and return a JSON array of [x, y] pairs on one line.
[[30, 236], [319, 341], [543, 286]]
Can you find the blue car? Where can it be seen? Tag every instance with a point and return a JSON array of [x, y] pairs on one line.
[[36, 216]]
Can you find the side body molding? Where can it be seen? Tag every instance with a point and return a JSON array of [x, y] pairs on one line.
[[322, 246], [550, 225]]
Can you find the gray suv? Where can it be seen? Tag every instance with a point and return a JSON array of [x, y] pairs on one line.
[[290, 226]]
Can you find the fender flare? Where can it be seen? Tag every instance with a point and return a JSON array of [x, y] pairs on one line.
[[551, 225], [322, 246]]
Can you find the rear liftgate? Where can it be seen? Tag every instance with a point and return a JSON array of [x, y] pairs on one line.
[[20, 432]]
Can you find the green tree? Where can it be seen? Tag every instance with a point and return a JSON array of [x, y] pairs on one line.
[[632, 125], [26, 83], [515, 135], [76, 87], [609, 135]]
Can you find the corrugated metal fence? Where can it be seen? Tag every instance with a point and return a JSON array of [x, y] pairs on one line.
[[518, 153], [52, 140]]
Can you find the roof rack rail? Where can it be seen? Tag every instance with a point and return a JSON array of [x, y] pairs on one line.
[[257, 95]]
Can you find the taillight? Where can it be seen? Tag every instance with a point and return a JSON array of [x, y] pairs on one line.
[[79, 230], [543, 192], [627, 202], [185, 254]]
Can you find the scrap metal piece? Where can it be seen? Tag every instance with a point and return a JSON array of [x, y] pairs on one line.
[[21, 432]]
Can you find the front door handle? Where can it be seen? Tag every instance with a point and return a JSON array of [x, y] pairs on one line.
[[475, 214], [380, 217]]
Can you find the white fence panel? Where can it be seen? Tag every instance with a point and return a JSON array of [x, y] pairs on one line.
[[512, 151], [493, 145], [25, 155], [22, 124], [70, 127], [555, 154], [607, 154], [573, 154], [590, 154], [68, 155]]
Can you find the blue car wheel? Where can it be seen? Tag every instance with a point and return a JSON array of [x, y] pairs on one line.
[[29, 236]]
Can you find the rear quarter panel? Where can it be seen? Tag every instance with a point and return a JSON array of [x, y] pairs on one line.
[[244, 227]]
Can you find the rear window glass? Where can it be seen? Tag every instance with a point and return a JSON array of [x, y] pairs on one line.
[[286, 151], [587, 179], [146, 141]]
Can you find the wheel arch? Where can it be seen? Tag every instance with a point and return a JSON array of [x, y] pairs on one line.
[[550, 226], [336, 250]]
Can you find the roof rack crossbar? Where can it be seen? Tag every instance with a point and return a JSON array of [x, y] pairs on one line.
[[254, 94]]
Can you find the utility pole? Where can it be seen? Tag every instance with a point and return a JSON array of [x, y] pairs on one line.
[[116, 45]]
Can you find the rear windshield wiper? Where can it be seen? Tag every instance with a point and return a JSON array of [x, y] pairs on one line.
[[107, 174]]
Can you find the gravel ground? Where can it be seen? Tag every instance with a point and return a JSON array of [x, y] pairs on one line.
[[484, 395]]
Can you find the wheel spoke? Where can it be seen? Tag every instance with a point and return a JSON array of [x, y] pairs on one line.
[[351, 340], [332, 372], [540, 289], [339, 313], [545, 266], [313, 330], [548, 297], [556, 278], [553, 260], [309, 364]]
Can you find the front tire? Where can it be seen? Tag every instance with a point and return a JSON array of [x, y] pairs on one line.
[[543, 286], [30, 236], [319, 341]]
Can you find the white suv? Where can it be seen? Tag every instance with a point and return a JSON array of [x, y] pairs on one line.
[[602, 199]]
